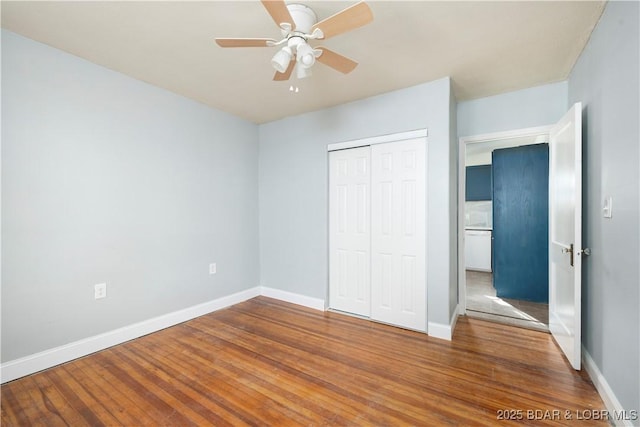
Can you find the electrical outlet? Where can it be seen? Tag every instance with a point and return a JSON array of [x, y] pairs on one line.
[[100, 290], [212, 268]]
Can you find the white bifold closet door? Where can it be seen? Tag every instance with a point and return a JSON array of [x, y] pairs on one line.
[[350, 230], [398, 282], [377, 232]]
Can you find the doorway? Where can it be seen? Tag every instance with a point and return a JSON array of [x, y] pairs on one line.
[[478, 294]]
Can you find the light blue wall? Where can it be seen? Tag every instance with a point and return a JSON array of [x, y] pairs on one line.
[[293, 188], [536, 106], [453, 202], [605, 80], [108, 179]]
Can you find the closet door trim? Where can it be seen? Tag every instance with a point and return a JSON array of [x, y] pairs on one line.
[[381, 139]]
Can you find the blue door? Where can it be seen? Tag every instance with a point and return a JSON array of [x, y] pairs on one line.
[[521, 222]]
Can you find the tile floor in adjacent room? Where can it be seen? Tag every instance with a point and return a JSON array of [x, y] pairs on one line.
[[483, 303]]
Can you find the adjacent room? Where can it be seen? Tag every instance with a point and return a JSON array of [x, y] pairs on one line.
[[320, 213], [506, 227]]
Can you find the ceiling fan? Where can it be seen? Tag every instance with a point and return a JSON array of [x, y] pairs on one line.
[[298, 24]]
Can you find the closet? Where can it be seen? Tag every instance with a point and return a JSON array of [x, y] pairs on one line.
[[377, 232]]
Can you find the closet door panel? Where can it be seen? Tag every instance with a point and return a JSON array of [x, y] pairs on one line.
[[398, 193], [350, 230]]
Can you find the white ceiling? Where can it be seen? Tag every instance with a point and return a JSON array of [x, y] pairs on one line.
[[486, 47]]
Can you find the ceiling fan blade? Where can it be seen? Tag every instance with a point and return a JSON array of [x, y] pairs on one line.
[[350, 18], [287, 73], [245, 42], [278, 11], [336, 61]]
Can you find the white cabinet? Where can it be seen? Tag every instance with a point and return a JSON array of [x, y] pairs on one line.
[[477, 250]]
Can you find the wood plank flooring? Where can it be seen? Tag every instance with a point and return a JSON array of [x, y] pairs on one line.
[[482, 303], [268, 363]]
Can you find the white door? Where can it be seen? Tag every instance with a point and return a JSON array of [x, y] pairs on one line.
[[398, 283], [565, 233], [350, 230]]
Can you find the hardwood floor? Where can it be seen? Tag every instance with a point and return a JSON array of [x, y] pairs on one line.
[[482, 303], [266, 362]]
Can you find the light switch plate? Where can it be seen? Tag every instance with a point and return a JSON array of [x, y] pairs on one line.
[[212, 268], [607, 207]]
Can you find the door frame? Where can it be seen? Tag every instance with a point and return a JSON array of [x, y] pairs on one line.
[[462, 154], [381, 139]]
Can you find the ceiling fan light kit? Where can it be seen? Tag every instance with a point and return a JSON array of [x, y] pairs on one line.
[[299, 25], [281, 59], [302, 72], [305, 55]]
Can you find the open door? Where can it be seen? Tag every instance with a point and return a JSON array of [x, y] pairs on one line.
[[565, 233]]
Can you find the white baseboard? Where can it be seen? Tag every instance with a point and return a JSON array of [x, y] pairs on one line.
[[46, 359], [442, 331], [610, 400], [37, 362], [315, 303]]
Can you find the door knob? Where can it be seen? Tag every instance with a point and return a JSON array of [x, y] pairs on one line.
[[569, 250], [582, 252]]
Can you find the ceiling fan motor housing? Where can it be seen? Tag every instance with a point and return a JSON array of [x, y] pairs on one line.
[[303, 17]]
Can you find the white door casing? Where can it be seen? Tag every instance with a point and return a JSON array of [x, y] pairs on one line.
[[398, 237], [565, 233], [350, 230]]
